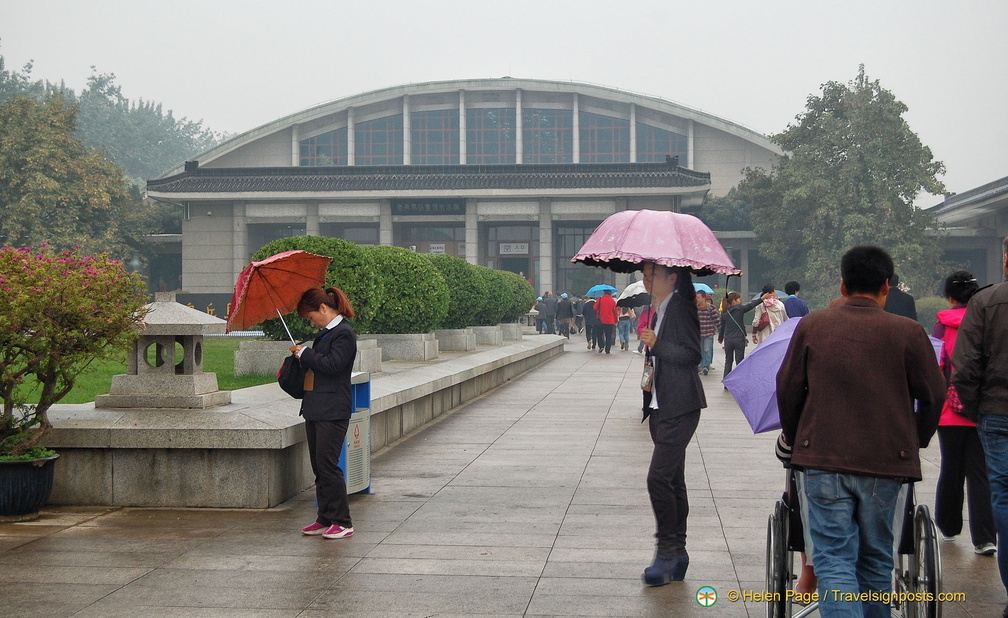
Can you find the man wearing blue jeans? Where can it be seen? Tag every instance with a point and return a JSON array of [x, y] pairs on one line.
[[980, 360], [846, 392]]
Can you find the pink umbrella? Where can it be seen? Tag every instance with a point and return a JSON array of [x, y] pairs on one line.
[[628, 238]]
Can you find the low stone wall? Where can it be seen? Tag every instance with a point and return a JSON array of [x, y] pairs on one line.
[[409, 347], [251, 453], [489, 335], [259, 357], [455, 340]]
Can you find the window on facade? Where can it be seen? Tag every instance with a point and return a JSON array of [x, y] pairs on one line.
[[434, 137], [325, 149], [379, 141], [547, 136], [359, 234], [604, 139], [654, 144], [490, 136], [260, 234]]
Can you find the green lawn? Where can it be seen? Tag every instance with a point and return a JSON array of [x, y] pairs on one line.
[[218, 357]]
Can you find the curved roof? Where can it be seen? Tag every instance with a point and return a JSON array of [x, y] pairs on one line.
[[489, 84]]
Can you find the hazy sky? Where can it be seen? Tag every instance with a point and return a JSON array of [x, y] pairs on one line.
[[237, 65]]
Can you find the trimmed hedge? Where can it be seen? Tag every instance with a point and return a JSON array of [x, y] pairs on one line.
[[352, 269], [927, 311], [523, 297], [497, 301], [416, 296], [467, 290]]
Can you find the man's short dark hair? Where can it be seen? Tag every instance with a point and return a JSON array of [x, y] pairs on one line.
[[791, 287], [866, 269], [767, 288]]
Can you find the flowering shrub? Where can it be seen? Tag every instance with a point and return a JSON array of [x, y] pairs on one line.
[[58, 312]]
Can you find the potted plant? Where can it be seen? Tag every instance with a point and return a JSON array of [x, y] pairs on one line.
[[58, 313]]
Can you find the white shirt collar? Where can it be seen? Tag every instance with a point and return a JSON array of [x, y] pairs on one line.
[[335, 322]]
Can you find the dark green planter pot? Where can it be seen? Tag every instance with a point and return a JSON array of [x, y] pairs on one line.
[[24, 487]]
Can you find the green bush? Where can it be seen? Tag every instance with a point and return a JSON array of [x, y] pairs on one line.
[[927, 311], [467, 290], [523, 297], [497, 300], [416, 296], [352, 269]]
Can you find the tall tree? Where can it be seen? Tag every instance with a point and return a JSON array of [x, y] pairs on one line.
[[55, 190], [850, 174]]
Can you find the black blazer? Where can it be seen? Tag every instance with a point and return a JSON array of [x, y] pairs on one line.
[[331, 357], [677, 355]]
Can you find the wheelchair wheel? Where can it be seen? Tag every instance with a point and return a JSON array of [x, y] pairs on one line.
[[778, 562], [926, 563]]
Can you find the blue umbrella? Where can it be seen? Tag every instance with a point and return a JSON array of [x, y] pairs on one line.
[[703, 287], [599, 290], [778, 292], [753, 383]]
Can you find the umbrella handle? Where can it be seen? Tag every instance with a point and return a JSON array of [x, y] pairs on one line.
[[284, 322]]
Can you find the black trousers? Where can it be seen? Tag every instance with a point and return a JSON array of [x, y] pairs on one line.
[[666, 478], [962, 459], [609, 333], [734, 352], [325, 441]]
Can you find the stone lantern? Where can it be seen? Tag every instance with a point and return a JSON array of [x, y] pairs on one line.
[[165, 365]]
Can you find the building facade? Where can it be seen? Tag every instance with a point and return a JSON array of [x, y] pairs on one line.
[[507, 173]]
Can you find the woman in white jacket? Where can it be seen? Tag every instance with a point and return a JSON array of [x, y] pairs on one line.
[[774, 309]]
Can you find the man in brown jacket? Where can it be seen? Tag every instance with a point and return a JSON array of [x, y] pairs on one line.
[[846, 394]]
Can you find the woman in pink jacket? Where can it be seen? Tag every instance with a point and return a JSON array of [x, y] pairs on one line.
[[962, 455]]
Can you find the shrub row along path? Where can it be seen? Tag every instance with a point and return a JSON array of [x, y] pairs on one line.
[[528, 501]]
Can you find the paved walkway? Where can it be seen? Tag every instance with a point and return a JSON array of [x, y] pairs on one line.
[[529, 501]]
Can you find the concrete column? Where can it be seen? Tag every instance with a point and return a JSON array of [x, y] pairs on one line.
[[519, 149], [239, 239], [545, 278], [744, 283], [633, 132], [462, 131], [295, 145], [312, 219], [471, 233], [406, 157], [576, 119], [385, 223], [689, 147], [351, 145]]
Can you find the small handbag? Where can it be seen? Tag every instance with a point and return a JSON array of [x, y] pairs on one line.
[[291, 377], [647, 378], [764, 321]]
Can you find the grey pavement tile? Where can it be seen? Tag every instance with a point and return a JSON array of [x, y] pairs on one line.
[[453, 566], [32, 573], [475, 602], [51, 601], [494, 535], [194, 595], [102, 609], [489, 553]]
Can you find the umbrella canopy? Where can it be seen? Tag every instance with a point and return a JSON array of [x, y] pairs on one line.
[[272, 287], [633, 296], [753, 383], [703, 287], [599, 290], [629, 238], [780, 294]]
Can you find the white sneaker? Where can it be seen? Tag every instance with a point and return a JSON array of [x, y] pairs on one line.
[[985, 549]]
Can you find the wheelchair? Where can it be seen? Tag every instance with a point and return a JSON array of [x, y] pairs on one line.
[[916, 565]]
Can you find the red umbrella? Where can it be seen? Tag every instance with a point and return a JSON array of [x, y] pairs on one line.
[[273, 287], [628, 238]]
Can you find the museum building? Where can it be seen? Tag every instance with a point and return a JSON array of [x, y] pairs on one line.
[[513, 174]]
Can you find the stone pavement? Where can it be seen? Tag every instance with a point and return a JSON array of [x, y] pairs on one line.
[[528, 501]]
